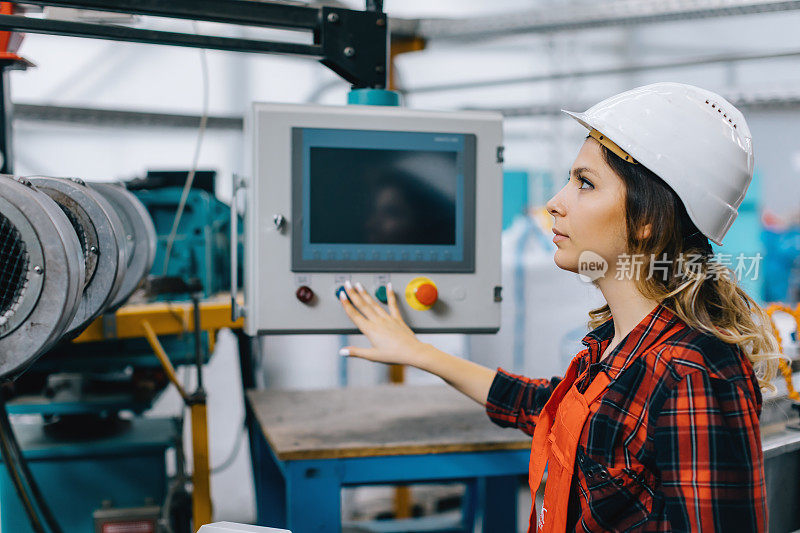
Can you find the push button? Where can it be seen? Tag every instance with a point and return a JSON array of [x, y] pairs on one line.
[[381, 294], [421, 294], [305, 294], [427, 294], [341, 291]]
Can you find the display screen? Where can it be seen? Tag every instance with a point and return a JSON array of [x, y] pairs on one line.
[[368, 196], [383, 201]]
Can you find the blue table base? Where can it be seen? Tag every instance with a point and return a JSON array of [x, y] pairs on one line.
[[305, 495]]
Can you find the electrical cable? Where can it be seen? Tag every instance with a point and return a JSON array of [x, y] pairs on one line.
[[14, 459], [11, 465], [27, 476], [195, 161], [237, 447]]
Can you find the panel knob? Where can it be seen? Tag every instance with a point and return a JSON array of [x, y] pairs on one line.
[[341, 291], [305, 294], [381, 295]]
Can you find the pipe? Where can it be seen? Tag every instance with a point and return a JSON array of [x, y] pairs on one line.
[[155, 344], [627, 69]]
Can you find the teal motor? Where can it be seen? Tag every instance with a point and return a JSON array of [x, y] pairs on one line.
[[202, 243]]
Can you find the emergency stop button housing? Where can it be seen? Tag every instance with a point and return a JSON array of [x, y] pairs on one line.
[[421, 294]]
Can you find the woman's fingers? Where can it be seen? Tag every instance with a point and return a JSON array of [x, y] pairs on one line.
[[369, 300], [364, 353], [359, 301], [357, 318], [394, 310]]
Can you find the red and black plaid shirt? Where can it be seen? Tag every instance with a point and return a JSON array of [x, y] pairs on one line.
[[674, 442]]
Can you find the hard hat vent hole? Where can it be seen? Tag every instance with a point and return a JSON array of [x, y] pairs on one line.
[[719, 110]]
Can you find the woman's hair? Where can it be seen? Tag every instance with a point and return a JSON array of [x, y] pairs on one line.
[[703, 293]]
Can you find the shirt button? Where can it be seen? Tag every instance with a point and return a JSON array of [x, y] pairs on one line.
[[618, 482]]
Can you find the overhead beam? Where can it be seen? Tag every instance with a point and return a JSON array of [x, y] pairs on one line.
[[94, 117], [749, 102], [584, 16], [605, 71], [138, 35], [351, 43], [244, 12]]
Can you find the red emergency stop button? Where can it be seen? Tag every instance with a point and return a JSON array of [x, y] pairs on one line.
[[421, 294], [427, 294]]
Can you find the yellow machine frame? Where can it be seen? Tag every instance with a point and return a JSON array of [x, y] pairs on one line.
[[166, 318]]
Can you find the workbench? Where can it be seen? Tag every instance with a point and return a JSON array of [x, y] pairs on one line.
[[307, 445]]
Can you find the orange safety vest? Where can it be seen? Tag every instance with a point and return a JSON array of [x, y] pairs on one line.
[[555, 442]]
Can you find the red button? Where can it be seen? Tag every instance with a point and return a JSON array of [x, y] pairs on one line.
[[427, 294], [305, 294]]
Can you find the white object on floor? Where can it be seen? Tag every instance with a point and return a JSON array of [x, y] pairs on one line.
[[230, 527]]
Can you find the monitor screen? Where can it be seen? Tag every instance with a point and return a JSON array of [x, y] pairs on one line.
[[383, 201]]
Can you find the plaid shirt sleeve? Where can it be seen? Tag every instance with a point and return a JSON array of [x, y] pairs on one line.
[[516, 401], [708, 452]]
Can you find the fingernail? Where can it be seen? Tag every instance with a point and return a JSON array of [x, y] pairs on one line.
[[389, 286], [342, 296], [359, 286], [347, 284], [344, 351]]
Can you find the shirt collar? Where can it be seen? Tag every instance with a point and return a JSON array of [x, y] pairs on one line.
[[640, 338]]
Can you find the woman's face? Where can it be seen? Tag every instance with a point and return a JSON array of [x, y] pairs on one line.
[[589, 211]]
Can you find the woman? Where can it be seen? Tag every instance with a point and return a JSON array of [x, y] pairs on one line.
[[654, 427]]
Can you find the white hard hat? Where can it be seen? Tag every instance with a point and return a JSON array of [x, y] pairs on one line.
[[693, 139]]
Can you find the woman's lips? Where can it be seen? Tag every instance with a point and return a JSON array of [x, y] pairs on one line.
[[559, 236]]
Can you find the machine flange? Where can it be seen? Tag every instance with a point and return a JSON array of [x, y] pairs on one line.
[[140, 237], [41, 274], [91, 214]]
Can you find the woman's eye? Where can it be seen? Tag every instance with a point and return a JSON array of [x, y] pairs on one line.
[[583, 182]]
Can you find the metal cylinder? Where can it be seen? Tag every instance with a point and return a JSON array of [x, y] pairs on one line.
[[103, 242], [42, 274], [140, 237]]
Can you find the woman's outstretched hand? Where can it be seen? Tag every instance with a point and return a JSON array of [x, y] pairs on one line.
[[392, 340]]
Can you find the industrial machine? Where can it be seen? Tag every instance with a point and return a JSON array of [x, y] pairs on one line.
[[66, 255], [202, 242], [42, 274], [69, 253], [93, 247], [372, 195]]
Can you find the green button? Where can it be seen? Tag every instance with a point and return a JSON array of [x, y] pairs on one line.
[[380, 294]]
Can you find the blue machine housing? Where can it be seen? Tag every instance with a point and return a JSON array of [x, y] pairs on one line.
[[202, 243], [125, 470]]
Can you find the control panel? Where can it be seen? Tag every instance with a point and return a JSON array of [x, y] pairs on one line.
[[391, 198]]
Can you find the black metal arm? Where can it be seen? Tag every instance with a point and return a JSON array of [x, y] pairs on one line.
[[351, 43]]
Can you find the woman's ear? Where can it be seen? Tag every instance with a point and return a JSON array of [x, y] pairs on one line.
[[645, 232]]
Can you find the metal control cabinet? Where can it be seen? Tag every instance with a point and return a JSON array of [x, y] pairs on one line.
[[468, 294]]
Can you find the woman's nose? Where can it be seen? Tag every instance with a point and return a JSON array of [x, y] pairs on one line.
[[554, 205]]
